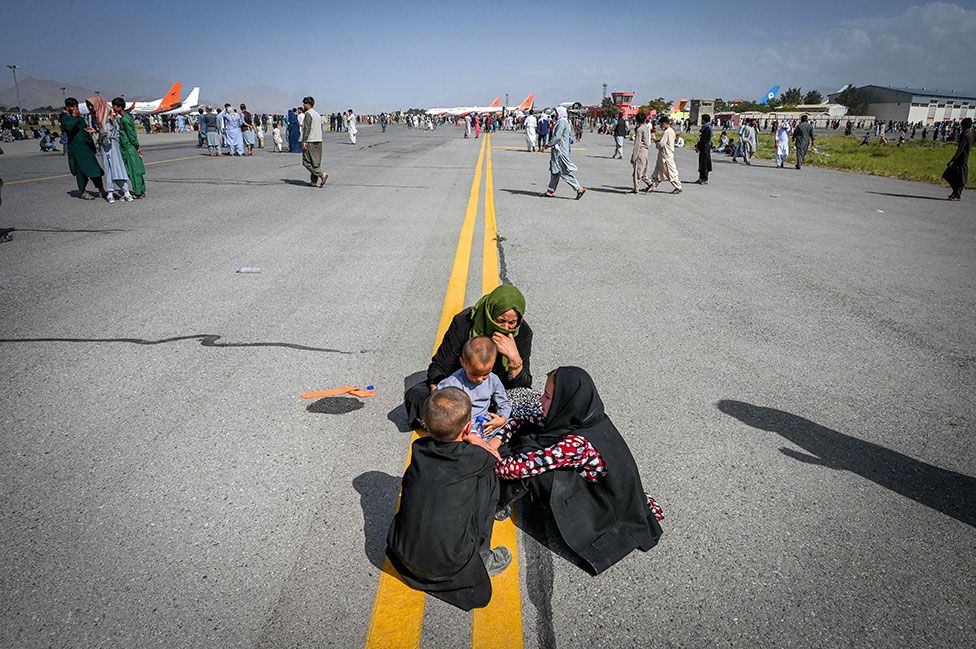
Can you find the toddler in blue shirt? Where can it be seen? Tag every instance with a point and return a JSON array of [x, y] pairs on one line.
[[481, 384]]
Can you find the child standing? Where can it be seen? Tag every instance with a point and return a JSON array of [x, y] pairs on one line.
[[440, 538], [276, 136], [481, 385]]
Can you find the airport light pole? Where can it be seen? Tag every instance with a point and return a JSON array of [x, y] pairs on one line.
[[506, 99], [20, 109], [63, 90]]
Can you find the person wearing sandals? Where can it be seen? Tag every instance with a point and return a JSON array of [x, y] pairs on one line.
[[564, 449], [82, 162], [560, 165]]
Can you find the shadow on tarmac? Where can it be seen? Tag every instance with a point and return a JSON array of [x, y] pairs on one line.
[[334, 405], [536, 194], [4, 231], [926, 198], [951, 493], [206, 340], [378, 493]]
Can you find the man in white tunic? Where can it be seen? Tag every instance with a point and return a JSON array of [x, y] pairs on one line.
[[783, 143], [351, 117], [530, 134], [665, 169]]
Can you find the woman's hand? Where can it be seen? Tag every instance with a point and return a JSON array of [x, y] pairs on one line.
[[507, 348], [89, 129]]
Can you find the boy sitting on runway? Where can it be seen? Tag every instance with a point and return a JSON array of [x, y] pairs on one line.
[[440, 538]]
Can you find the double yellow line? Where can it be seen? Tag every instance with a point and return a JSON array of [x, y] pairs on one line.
[[398, 612]]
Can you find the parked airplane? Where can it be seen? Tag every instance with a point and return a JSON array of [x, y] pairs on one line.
[[187, 105], [166, 102], [444, 111], [463, 111], [770, 95]]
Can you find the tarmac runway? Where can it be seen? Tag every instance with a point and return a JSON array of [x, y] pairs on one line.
[[790, 356]]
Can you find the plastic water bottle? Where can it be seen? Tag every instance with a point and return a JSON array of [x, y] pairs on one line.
[[480, 421], [246, 269]]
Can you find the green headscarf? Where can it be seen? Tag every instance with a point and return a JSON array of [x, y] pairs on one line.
[[492, 305]]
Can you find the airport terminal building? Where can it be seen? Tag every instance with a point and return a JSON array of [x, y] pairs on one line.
[[915, 104]]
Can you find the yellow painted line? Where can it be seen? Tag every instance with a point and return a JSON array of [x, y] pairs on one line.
[[498, 625], [398, 611], [37, 180], [489, 269]]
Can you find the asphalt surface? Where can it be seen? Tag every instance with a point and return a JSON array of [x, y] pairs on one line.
[[789, 354]]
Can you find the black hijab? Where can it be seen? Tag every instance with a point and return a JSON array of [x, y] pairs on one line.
[[601, 521]]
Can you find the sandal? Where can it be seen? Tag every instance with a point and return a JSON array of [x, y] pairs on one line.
[[580, 193], [85, 196], [548, 195]]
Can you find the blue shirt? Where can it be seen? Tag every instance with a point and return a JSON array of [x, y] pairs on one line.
[[481, 394]]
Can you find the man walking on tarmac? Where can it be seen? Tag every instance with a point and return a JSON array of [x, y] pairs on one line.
[[312, 144]]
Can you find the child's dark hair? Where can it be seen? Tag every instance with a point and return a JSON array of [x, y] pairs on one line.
[[481, 350], [446, 412]]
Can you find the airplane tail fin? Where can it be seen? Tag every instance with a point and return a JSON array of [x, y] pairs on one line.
[[496, 103], [193, 98], [769, 96], [527, 104], [171, 98]]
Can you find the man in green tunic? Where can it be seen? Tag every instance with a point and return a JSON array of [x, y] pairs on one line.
[[129, 146], [81, 150]]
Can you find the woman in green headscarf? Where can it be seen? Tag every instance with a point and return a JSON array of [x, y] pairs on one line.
[[499, 314]]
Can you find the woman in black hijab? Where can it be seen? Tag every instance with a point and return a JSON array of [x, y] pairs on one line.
[[575, 462]]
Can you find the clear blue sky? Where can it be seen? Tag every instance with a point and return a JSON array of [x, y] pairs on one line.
[[371, 55]]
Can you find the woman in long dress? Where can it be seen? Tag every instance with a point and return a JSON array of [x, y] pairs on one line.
[[116, 177], [783, 143], [560, 165]]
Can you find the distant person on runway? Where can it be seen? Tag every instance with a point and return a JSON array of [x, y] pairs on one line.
[[748, 139], [560, 164], [572, 459], [530, 132], [129, 145], [201, 131], [467, 125], [312, 144], [619, 134], [704, 148], [384, 120], [638, 158], [81, 150], [783, 143], [294, 132], [116, 178], [276, 137], [233, 135], [543, 131], [247, 130], [803, 137], [477, 125], [351, 120], [210, 124], [957, 171], [665, 168]]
